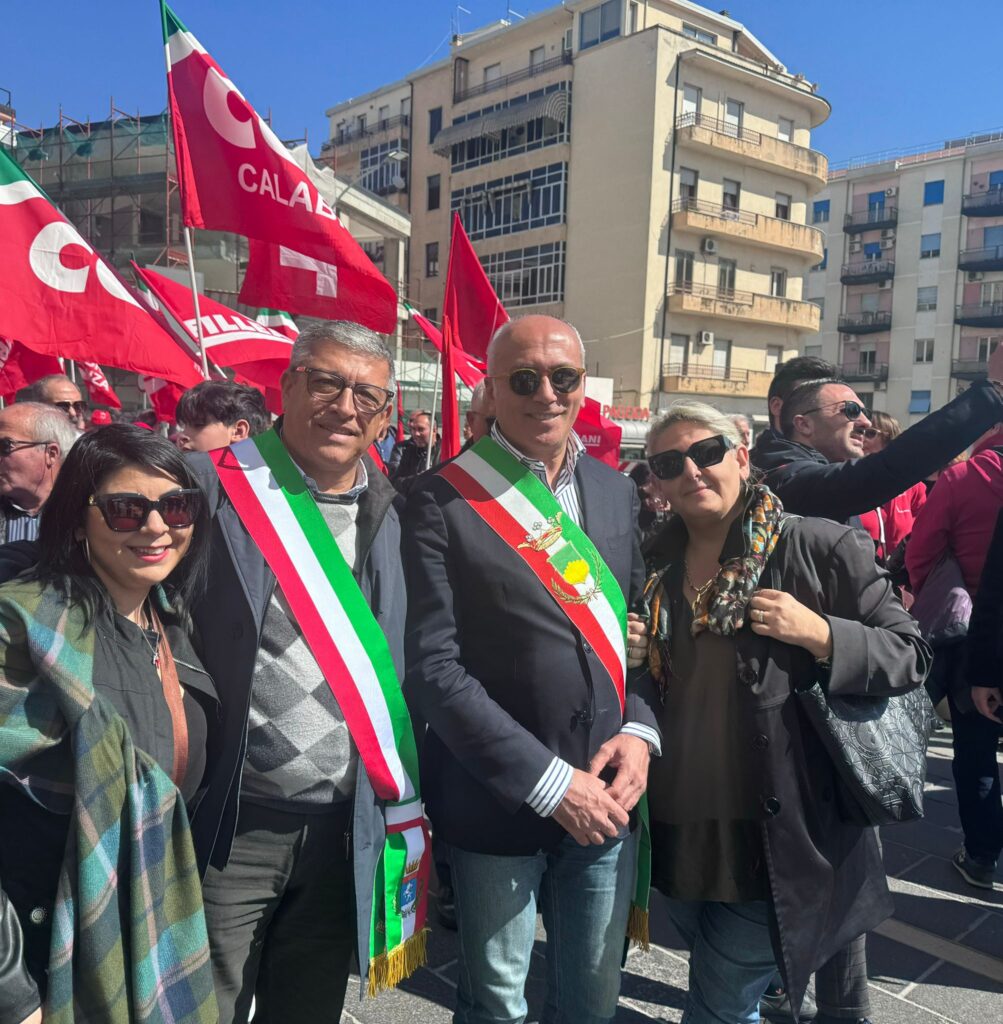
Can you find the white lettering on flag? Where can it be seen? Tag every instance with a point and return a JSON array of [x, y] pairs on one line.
[[327, 273]]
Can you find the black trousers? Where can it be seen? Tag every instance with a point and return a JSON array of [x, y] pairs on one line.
[[977, 781], [281, 918], [841, 983]]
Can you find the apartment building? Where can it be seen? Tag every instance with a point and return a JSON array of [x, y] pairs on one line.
[[911, 283], [641, 168]]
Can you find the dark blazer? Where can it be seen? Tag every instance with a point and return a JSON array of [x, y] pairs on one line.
[[496, 669], [228, 620], [809, 485], [826, 877]]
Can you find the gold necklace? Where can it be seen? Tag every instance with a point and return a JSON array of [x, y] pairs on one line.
[[699, 591]]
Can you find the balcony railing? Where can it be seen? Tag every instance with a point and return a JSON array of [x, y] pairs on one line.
[[876, 373], [705, 372], [981, 259], [864, 323], [871, 219], [749, 307], [759, 228], [867, 271], [516, 76], [712, 291], [729, 128], [988, 203], [969, 369], [352, 133], [979, 314], [690, 205]]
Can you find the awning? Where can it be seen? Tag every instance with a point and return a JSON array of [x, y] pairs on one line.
[[553, 108]]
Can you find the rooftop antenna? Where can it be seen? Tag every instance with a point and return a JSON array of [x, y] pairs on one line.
[[456, 19], [510, 14]]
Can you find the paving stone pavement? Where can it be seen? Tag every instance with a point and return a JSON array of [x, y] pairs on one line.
[[939, 960]]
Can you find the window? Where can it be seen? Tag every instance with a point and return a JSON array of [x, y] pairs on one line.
[[598, 24], [867, 358], [528, 277], [492, 73], [813, 350], [869, 302], [691, 100], [432, 313], [517, 202], [778, 282], [734, 113], [384, 115], [820, 212], [926, 298], [986, 347], [432, 259], [731, 194], [633, 16], [726, 277], [679, 350], [434, 123], [537, 56], [434, 191], [875, 204], [872, 251], [785, 129], [406, 106], [783, 209], [774, 355], [377, 172], [919, 401], [684, 269], [933, 193], [825, 260], [722, 359], [923, 351], [820, 302], [929, 246], [688, 180], [360, 124], [701, 36]]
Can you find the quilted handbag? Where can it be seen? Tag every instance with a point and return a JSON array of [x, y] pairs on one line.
[[878, 748]]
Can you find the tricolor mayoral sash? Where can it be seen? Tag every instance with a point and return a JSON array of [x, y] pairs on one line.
[[524, 513], [270, 497]]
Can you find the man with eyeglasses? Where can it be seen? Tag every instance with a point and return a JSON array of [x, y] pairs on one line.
[[58, 390], [302, 630], [34, 440], [522, 556]]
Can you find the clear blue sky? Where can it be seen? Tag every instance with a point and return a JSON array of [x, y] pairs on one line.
[[897, 72]]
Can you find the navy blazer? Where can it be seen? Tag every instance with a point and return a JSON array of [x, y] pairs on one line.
[[497, 670]]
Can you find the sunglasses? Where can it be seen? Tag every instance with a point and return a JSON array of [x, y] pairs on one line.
[[328, 387], [125, 513], [78, 407], [871, 432], [708, 452], [8, 447], [526, 381], [851, 410]]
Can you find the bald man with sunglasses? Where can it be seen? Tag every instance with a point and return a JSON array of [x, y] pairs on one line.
[[522, 556]]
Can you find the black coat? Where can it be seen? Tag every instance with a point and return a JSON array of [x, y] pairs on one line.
[[809, 485], [496, 669], [984, 645], [826, 877]]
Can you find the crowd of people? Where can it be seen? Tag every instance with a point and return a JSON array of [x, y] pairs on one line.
[[224, 653]]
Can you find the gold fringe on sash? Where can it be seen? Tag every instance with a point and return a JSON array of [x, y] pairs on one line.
[[637, 927], [388, 970]]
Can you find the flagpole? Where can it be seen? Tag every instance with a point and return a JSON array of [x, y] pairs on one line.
[[435, 399], [195, 301]]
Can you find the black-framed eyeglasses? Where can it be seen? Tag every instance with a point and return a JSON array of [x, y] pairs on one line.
[[76, 407], [8, 446], [328, 387], [526, 381], [851, 410], [707, 452], [125, 513]]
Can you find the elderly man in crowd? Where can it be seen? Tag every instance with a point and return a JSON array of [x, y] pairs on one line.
[[57, 389], [34, 440], [480, 414], [319, 846], [522, 555], [409, 459]]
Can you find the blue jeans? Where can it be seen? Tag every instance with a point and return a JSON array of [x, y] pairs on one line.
[[731, 959], [584, 895]]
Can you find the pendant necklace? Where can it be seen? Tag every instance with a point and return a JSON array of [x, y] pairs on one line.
[[154, 647], [699, 591]]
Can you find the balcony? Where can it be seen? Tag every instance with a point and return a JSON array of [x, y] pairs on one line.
[[988, 203], [861, 373], [865, 323], [540, 68], [747, 307], [969, 369], [979, 314], [867, 271], [981, 259], [691, 214], [871, 219], [687, 379], [348, 134], [752, 147]]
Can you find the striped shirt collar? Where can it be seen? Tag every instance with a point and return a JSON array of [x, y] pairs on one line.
[[565, 475]]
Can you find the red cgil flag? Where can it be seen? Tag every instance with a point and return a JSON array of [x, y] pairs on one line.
[[471, 371], [473, 308], [450, 404], [234, 174], [58, 297], [399, 435], [19, 367], [98, 389], [163, 396], [601, 436]]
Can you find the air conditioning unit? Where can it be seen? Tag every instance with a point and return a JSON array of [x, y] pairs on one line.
[[847, 337], [887, 243], [884, 285], [518, 130], [709, 246], [705, 338], [975, 275], [856, 246], [892, 191], [888, 233]]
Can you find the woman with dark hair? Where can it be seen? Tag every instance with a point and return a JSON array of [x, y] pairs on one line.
[[748, 606], [105, 720]]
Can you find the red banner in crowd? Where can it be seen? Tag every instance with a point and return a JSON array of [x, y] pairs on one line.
[[450, 446], [20, 366], [99, 391]]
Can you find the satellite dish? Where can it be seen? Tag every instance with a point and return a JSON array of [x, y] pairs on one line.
[[398, 182]]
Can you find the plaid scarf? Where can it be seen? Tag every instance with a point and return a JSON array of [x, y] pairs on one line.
[[128, 931], [721, 608]]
